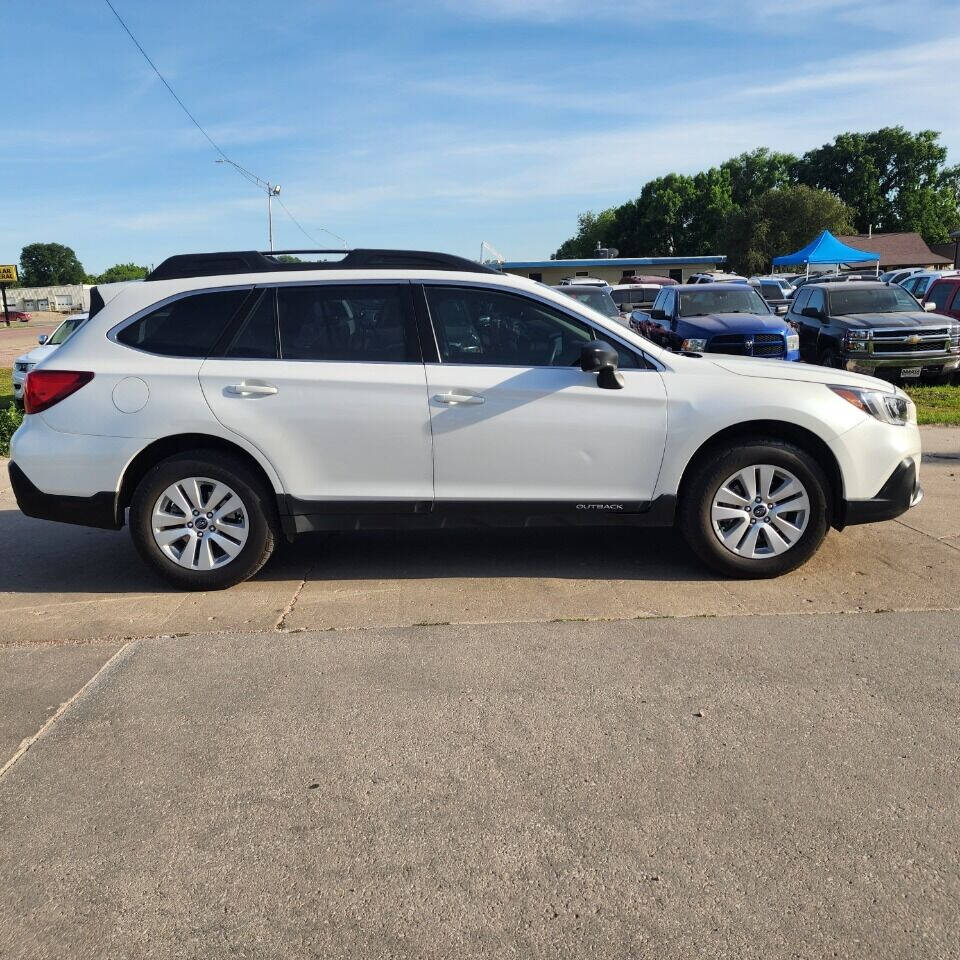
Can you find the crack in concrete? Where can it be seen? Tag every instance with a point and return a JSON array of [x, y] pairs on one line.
[[28, 742], [281, 625]]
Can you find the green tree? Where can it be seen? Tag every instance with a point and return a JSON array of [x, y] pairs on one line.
[[780, 221], [121, 271], [49, 265], [893, 180], [756, 172], [592, 228]]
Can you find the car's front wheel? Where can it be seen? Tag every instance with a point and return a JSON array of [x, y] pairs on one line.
[[203, 520], [755, 511]]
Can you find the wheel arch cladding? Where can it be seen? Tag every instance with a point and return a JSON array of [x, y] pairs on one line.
[[761, 430], [166, 447]]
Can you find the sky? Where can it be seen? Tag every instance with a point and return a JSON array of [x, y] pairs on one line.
[[428, 125]]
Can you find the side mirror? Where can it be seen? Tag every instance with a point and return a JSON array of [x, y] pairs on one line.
[[42, 339], [600, 358], [930, 306], [780, 309], [658, 314], [812, 312]]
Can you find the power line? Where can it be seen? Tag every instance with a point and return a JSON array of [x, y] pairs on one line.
[[304, 232], [246, 174]]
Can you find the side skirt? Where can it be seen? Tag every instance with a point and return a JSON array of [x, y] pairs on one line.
[[304, 516]]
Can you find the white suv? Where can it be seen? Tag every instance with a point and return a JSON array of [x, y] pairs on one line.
[[231, 398]]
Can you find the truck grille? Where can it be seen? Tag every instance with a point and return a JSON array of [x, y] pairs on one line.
[[748, 344], [922, 340]]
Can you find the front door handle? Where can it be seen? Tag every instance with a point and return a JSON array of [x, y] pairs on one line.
[[250, 389], [455, 398]]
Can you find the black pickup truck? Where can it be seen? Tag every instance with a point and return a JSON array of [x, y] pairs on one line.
[[874, 328]]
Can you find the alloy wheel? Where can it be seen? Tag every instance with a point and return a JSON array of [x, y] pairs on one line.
[[200, 523], [760, 511]]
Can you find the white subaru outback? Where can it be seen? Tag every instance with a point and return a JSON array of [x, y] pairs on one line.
[[232, 398]]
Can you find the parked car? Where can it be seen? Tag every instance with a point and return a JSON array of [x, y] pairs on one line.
[[17, 315], [583, 281], [898, 276], [944, 295], [598, 298], [716, 277], [26, 362], [726, 318], [874, 328], [920, 283], [776, 291], [845, 277], [634, 296], [231, 399], [653, 278]]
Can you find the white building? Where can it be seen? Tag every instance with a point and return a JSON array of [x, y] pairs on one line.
[[73, 298]]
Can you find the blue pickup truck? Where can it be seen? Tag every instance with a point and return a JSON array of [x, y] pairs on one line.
[[717, 318]]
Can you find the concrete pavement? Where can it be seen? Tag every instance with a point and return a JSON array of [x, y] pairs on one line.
[[715, 787], [63, 582]]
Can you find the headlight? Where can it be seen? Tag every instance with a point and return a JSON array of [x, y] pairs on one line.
[[694, 346], [896, 408], [793, 341]]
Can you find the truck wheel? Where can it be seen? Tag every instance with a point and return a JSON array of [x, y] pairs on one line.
[[756, 511], [203, 520], [828, 358]]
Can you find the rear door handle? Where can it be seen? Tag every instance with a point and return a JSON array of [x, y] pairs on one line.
[[250, 389], [455, 398]]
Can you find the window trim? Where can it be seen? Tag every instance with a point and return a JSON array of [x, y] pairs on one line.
[[645, 362]]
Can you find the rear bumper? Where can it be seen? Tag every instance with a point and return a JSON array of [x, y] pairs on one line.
[[901, 492], [99, 510]]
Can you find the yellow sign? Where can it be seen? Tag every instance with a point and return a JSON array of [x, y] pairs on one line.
[[8, 273]]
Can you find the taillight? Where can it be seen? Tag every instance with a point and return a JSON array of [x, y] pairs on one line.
[[44, 388]]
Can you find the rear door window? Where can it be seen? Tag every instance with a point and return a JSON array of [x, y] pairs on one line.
[[186, 327], [365, 323]]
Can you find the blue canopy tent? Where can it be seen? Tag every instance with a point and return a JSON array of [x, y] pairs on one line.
[[825, 248]]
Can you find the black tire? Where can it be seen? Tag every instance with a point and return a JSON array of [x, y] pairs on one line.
[[828, 357], [261, 515], [710, 473]]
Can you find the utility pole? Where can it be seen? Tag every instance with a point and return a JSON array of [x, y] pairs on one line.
[[272, 190]]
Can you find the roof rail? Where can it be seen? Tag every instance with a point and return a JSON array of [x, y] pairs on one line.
[[258, 261]]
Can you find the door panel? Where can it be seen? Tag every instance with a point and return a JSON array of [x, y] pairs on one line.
[[331, 430], [545, 433]]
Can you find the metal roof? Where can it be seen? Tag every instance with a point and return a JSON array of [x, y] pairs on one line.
[[613, 262]]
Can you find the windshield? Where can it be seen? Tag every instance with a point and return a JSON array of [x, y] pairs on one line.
[[600, 300], [733, 298], [65, 329], [858, 299]]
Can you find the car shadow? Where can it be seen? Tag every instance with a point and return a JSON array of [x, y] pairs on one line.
[[44, 557]]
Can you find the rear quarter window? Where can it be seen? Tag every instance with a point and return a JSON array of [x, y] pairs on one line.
[[186, 327]]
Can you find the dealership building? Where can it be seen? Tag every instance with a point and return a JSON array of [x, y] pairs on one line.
[[614, 270]]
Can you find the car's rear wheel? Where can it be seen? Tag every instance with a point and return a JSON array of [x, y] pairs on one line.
[[203, 520], [756, 511]]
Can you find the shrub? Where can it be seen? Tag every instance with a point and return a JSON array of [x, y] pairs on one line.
[[10, 419]]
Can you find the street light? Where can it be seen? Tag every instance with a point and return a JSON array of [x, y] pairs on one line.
[[272, 190]]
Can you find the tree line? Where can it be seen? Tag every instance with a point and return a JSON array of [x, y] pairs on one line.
[[56, 265], [763, 202]]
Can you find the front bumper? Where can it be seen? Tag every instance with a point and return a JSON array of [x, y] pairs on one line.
[[99, 510], [901, 492], [893, 363]]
